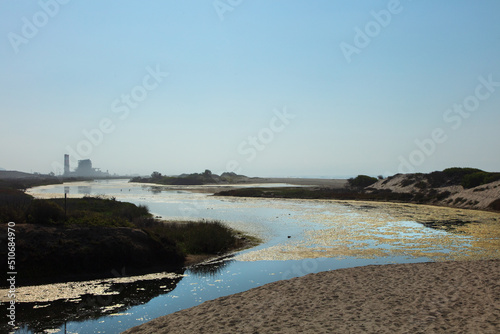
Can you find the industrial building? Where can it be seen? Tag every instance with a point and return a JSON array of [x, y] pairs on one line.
[[84, 169]]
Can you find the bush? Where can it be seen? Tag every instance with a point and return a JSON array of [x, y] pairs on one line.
[[203, 237], [492, 177], [450, 176], [361, 181], [97, 219], [96, 211], [46, 213], [458, 173], [14, 205], [478, 179], [87, 211], [467, 177]]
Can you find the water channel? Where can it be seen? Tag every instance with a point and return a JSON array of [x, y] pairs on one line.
[[299, 237]]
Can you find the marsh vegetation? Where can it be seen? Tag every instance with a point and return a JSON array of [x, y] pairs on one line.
[[89, 237]]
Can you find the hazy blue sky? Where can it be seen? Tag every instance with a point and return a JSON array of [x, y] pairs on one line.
[[266, 88]]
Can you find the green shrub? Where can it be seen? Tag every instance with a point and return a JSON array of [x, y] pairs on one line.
[[46, 212], [458, 173], [449, 176], [467, 177], [203, 237], [96, 211], [479, 178], [492, 177], [14, 205], [361, 181], [97, 219]]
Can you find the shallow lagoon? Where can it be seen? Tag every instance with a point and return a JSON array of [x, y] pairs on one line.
[[300, 237]]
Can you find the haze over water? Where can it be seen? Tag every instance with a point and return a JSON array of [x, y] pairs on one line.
[[262, 88]]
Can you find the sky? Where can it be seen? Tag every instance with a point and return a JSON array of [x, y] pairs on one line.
[[263, 88]]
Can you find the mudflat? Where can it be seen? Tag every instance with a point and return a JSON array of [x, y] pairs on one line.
[[326, 183], [441, 297]]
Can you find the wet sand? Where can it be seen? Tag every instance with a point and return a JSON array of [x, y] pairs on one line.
[[256, 182], [324, 183], [259, 182], [443, 297]]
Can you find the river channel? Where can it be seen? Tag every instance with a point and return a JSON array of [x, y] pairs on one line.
[[299, 237]]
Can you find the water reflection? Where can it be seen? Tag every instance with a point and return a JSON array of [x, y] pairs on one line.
[[117, 299], [154, 189], [211, 268], [84, 190]]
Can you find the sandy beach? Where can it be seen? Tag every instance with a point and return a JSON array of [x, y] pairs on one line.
[[442, 297]]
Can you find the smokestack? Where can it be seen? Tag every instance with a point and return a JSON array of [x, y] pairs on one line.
[[66, 164]]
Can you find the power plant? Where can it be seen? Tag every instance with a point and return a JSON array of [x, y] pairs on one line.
[[66, 164], [84, 169]]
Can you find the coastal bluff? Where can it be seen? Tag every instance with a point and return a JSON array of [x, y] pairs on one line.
[[445, 190]]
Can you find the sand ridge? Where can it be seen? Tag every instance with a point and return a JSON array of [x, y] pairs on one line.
[[443, 297]]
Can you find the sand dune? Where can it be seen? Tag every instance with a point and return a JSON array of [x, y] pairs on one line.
[[446, 297]]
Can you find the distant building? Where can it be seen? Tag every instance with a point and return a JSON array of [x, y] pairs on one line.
[[66, 164], [84, 169]]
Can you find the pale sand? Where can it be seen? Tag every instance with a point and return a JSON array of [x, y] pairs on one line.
[[445, 297]]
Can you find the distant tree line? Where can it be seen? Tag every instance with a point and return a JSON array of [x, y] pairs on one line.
[[206, 177]]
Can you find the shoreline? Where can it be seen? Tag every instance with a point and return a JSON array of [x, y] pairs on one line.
[[458, 297], [304, 183], [356, 197]]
